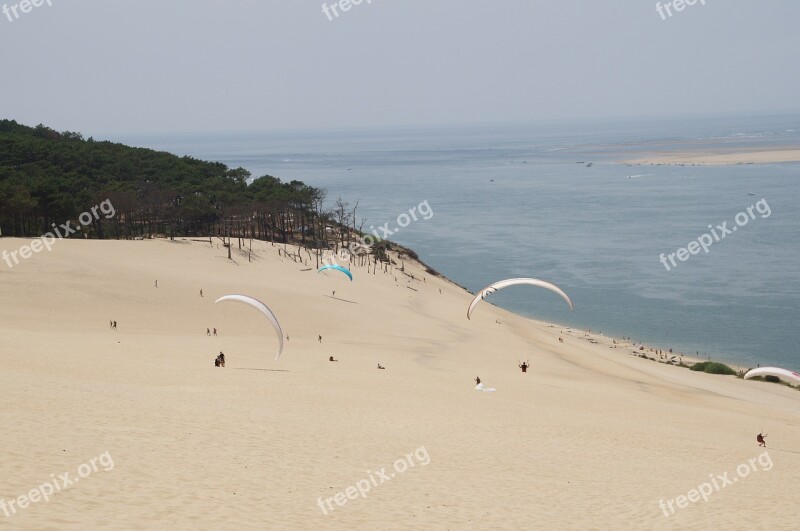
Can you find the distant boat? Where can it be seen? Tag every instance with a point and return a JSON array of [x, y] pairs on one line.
[[491, 180], [589, 165], [751, 193]]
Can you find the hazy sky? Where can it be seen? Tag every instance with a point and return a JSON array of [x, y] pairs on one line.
[[116, 66]]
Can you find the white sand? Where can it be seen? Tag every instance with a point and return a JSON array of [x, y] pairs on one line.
[[591, 437]]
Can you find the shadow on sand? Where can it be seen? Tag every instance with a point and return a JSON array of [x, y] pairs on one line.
[[248, 369], [338, 299], [781, 450]]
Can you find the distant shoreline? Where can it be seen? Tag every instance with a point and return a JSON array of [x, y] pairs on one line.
[[719, 157]]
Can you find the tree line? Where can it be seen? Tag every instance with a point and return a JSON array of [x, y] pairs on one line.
[[50, 177]]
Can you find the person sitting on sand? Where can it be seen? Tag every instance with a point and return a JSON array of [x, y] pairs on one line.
[[332, 359], [217, 362], [761, 441], [221, 358], [524, 366], [381, 366]]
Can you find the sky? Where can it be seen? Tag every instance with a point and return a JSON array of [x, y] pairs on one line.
[[105, 67]]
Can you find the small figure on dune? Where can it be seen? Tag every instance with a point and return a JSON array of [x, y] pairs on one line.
[[334, 293], [477, 380], [560, 339], [332, 359], [320, 339], [220, 361], [761, 441], [156, 283], [208, 331], [287, 337], [111, 324], [381, 366], [115, 325], [201, 292], [215, 331], [524, 366]]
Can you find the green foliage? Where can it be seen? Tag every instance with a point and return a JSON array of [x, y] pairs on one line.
[[50, 177], [712, 367]]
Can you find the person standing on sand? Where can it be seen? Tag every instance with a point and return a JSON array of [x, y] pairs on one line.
[[115, 325], [156, 283], [761, 441], [208, 331], [320, 339], [334, 293], [524, 366], [215, 331], [111, 324], [201, 292], [477, 380]]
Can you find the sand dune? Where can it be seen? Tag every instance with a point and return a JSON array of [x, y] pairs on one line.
[[591, 437]]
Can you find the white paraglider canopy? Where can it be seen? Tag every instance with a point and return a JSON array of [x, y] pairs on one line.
[[773, 371], [261, 307], [514, 282]]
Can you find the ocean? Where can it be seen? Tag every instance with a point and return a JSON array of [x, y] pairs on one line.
[[553, 202]]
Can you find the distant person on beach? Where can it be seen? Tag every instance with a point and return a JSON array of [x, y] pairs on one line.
[[115, 325], [320, 339], [221, 359], [381, 366], [201, 293], [477, 380], [217, 362], [560, 339], [215, 331], [334, 293], [524, 366], [332, 359], [761, 441], [208, 331], [156, 283], [287, 337], [111, 324]]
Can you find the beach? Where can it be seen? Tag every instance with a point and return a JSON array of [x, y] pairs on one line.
[[719, 157], [591, 436]]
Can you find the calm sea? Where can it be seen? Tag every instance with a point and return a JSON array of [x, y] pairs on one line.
[[517, 200]]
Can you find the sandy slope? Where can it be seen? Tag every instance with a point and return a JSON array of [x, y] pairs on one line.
[[591, 437]]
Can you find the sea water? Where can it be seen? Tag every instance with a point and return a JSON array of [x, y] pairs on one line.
[[553, 202]]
